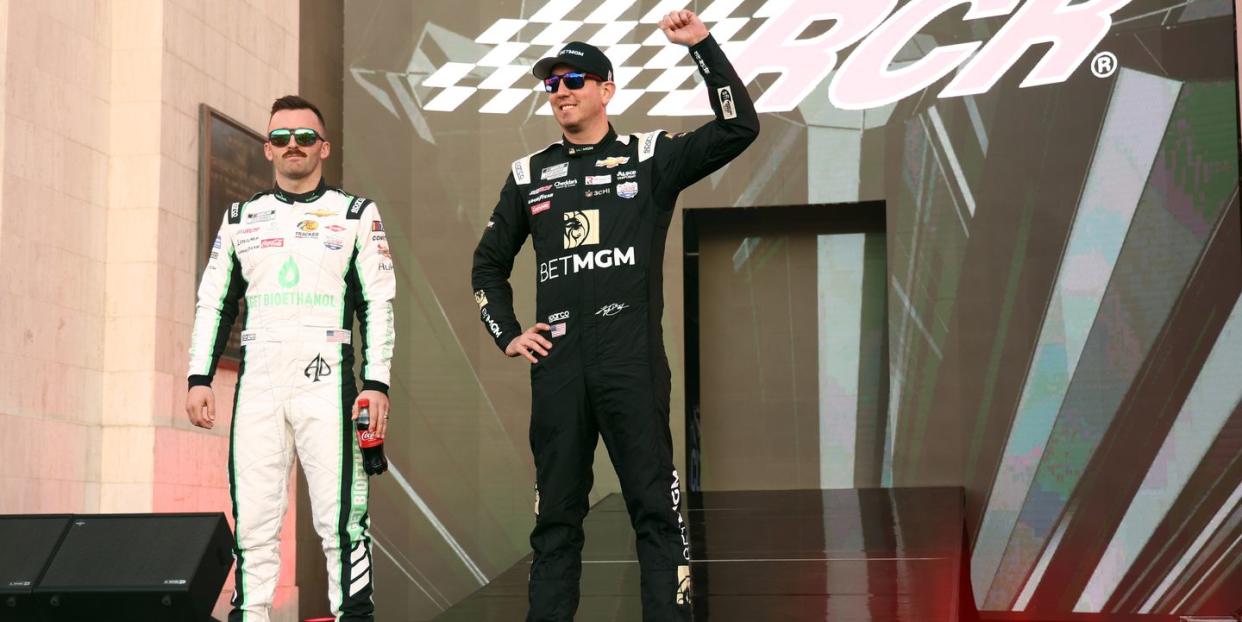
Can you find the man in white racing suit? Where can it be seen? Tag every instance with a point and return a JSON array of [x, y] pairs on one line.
[[306, 258]]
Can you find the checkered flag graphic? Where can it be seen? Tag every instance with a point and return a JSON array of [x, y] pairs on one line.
[[643, 59]]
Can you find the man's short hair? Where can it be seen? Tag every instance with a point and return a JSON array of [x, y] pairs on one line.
[[295, 102]]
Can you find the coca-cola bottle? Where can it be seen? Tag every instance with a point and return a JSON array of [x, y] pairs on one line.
[[373, 460]]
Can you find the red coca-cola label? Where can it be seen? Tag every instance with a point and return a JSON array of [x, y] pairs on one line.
[[368, 439]]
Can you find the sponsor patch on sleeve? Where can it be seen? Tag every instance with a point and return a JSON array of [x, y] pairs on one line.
[[725, 95]]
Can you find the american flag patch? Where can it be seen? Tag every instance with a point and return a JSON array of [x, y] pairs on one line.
[[337, 336], [558, 330], [377, 225]]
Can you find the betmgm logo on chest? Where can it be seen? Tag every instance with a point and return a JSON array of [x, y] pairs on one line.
[[582, 228]]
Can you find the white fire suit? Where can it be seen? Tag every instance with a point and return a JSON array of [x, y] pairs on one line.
[[305, 265]]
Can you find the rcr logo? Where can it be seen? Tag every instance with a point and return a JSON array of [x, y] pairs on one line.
[[866, 79]]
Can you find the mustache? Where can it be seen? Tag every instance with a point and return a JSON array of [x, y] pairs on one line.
[[293, 152]]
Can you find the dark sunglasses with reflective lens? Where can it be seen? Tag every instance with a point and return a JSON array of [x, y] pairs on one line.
[[573, 80], [303, 136]]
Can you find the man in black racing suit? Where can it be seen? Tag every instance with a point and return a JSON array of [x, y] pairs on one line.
[[598, 206]]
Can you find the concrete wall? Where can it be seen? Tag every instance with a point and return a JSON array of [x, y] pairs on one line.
[[53, 246], [98, 214]]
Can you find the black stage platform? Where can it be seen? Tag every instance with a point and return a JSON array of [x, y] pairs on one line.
[[839, 555]]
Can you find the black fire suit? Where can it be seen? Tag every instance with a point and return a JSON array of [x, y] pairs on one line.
[[599, 215]]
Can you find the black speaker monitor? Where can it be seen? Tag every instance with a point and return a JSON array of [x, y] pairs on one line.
[[26, 547], [150, 567]]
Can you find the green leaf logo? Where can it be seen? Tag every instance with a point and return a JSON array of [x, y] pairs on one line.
[[288, 275]]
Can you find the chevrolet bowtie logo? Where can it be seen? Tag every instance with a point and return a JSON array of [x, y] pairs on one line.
[[612, 162]]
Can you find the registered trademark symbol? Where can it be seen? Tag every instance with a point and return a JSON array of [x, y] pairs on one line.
[[1104, 64]]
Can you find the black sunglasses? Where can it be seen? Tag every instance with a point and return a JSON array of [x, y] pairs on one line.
[[303, 136], [574, 80]]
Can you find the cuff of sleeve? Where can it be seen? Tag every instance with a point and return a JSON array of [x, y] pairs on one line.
[[198, 380], [374, 385], [507, 335], [706, 44]]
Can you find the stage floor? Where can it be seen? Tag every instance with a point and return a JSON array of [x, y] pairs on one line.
[[839, 555]]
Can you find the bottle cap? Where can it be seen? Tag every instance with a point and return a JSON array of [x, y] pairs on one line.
[[364, 403]]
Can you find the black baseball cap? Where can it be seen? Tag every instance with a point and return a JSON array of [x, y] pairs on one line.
[[581, 56]]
